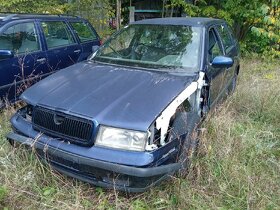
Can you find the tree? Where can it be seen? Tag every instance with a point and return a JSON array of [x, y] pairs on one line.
[[118, 13], [97, 12], [255, 23], [34, 6]]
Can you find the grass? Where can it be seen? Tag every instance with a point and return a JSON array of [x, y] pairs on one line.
[[237, 167]]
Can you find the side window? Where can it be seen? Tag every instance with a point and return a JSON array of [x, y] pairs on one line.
[[57, 34], [84, 32], [214, 48], [20, 38], [226, 37]]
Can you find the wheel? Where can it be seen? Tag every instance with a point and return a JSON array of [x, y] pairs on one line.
[[186, 125]]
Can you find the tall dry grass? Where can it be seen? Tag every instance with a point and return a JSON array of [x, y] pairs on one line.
[[237, 167]]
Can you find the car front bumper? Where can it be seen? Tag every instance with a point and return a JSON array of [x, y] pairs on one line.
[[97, 172]]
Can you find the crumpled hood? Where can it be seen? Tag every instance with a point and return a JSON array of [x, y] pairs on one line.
[[110, 95]]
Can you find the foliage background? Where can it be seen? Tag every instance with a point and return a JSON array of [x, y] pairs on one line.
[[256, 24]]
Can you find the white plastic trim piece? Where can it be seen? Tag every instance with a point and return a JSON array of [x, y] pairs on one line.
[[151, 147], [162, 122], [200, 84], [200, 81]]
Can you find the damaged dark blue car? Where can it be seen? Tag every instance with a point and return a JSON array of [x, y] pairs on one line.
[[126, 118]]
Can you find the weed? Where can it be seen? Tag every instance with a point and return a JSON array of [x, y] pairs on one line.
[[3, 193]]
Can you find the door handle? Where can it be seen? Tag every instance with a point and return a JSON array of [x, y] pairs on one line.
[[77, 51], [41, 60]]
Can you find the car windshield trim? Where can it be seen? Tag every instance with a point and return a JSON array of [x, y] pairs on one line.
[[147, 65], [187, 39], [178, 72]]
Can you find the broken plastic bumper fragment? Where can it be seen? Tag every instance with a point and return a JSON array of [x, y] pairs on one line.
[[100, 173]]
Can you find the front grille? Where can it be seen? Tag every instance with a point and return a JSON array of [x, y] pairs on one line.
[[74, 129]]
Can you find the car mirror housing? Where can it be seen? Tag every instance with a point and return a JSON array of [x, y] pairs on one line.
[[6, 54], [222, 62]]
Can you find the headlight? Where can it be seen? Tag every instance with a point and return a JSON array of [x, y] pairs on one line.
[[121, 138]]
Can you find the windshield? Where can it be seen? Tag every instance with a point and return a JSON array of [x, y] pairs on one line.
[[162, 47]]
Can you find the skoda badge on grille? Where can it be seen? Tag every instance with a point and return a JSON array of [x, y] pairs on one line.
[[58, 119]]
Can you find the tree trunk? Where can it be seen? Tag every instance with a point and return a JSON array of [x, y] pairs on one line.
[[172, 10], [163, 8], [118, 15], [241, 30]]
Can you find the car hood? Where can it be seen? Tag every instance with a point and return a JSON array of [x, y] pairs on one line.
[[109, 95]]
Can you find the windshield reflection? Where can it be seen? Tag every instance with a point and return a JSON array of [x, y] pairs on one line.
[[159, 47]]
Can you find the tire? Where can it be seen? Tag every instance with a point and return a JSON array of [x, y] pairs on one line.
[[190, 141]]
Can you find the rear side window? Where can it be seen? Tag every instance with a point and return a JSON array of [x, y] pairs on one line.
[[84, 31], [57, 34], [20, 38], [226, 37]]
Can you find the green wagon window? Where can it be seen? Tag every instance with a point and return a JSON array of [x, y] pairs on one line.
[[84, 32]]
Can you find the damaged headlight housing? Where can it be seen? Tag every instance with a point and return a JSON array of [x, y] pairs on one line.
[[26, 112], [121, 138]]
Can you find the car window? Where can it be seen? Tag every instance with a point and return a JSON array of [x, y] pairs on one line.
[[161, 47], [57, 34], [226, 37], [20, 38], [85, 33], [214, 49]]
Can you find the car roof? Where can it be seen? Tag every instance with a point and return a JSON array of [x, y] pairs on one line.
[[184, 21], [9, 16]]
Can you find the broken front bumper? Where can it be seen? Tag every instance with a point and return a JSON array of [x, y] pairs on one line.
[[100, 173]]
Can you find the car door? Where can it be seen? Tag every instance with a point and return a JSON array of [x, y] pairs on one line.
[[19, 72], [62, 48], [215, 75], [87, 37], [230, 50]]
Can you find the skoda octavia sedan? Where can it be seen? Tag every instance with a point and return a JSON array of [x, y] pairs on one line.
[[126, 118]]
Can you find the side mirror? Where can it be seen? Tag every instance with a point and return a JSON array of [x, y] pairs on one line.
[[95, 48], [222, 62], [6, 54]]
